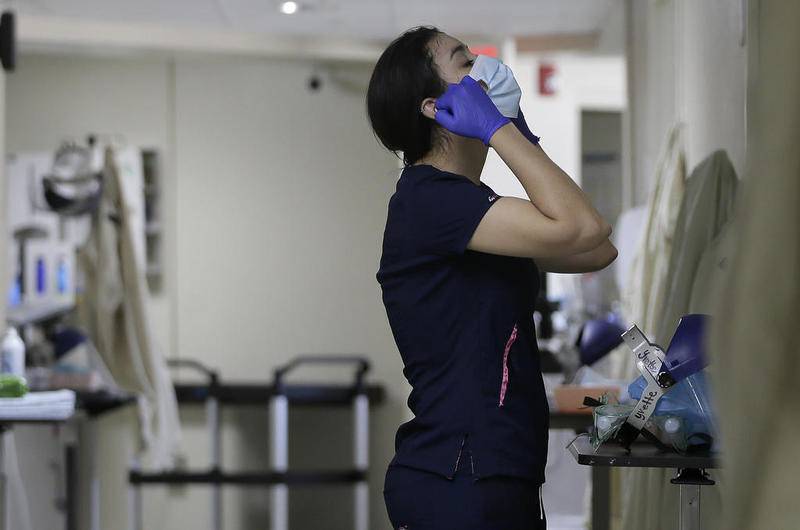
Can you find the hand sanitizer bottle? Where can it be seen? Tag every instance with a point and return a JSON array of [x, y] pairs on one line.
[[12, 354]]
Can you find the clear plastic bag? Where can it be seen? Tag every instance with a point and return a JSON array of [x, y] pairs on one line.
[[607, 421], [688, 401], [669, 429]]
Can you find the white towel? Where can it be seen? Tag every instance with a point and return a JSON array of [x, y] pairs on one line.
[[58, 405]]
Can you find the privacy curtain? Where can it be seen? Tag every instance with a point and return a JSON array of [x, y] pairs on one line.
[[114, 310]]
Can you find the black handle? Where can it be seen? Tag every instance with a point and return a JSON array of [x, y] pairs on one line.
[[213, 375], [362, 367]]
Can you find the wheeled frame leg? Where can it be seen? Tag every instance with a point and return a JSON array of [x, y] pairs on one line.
[[135, 502], [213, 421], [279, 460], [361, 452]]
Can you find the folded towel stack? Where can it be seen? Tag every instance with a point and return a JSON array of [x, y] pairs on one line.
[[39, 406]]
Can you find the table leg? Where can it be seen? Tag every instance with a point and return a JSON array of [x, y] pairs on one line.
[[90, 433], [71, 481], [690, 507], [3, 481], [601, 498], [690, 480]]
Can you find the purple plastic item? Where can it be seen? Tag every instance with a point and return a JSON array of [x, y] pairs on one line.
[[686, 354], [597, 338]]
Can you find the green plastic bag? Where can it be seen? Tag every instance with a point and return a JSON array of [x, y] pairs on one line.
[[12, 386]]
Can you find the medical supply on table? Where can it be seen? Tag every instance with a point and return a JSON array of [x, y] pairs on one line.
[[666, 431], [12, 386], [12, 354], [672, 407], [687, 402], [52, 406], [672, 431], [607, 421]]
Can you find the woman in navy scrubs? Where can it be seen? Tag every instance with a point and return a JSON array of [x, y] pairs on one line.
[[459, 275]]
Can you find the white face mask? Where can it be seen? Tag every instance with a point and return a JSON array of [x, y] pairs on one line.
[[503, 88]]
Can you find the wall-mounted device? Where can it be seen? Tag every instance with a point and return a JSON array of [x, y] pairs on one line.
[[8, 41]]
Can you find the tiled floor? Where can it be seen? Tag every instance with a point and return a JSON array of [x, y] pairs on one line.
[[565, 522]]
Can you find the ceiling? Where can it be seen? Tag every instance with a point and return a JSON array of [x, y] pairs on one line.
[[356, 19]]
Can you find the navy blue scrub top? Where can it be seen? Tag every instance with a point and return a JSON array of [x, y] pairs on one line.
[[463, 323]]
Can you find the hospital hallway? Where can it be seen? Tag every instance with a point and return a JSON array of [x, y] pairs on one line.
[[399, 264]]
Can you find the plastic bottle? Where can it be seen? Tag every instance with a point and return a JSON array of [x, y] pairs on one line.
[[12, 354], [672, 425], [62, 281], [41, 276], [673, 429], [14, 294]]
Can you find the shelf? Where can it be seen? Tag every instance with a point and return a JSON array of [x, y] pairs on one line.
[[260, 394], [153, 228], [31, 314]]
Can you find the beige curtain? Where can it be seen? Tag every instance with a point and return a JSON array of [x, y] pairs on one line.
[[755, 336], [702, 245], [643, 294], [114, 311]]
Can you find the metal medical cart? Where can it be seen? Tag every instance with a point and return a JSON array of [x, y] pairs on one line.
[[278, 396]]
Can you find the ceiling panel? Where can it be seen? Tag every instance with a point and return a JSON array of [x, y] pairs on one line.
[[360, 19]]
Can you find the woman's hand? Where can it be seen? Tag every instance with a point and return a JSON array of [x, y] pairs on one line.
[[465, 109]]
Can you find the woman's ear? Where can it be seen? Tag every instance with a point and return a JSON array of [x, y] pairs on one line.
[[428, 108]]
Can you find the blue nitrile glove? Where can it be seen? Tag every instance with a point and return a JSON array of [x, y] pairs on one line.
[[465, 109], [522, 125]]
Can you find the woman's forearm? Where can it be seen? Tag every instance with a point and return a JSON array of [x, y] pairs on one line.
[[593, 260], [551, 190]]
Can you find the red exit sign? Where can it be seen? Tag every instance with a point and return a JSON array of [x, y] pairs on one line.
[[484, 49], [548, 80]]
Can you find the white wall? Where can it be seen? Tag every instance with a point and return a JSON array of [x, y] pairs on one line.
[[282, 197], [585, 82], [275, 206], [687, 65]]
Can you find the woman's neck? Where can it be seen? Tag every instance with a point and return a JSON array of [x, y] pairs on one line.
[[463, 156]]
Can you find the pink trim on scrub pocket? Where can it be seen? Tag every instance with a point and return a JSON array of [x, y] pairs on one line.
[[504, 383]]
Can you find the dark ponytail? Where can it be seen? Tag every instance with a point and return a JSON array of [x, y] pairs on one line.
[[403, 77]]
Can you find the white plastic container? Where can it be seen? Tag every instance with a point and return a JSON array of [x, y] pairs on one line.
[[12, 354]]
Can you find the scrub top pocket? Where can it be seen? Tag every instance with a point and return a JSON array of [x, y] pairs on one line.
[[499, 349]]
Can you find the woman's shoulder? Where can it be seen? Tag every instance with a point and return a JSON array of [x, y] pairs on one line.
[[428, 186]]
